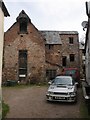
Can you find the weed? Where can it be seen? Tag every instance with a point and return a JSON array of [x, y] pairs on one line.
[[5, 110]]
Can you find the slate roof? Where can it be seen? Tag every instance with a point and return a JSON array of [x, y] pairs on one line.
[[68, 32], [53, 37]]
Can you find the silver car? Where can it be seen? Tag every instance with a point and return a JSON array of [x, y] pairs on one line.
[[62, 88]]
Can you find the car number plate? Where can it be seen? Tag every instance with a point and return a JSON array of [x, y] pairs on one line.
[[59, 98]]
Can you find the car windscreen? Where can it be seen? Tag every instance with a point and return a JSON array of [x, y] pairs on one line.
[[63, 81]]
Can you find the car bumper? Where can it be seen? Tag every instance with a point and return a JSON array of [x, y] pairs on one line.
[[68, 98]]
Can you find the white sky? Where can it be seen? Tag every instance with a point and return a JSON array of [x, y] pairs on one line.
[[60, 15]]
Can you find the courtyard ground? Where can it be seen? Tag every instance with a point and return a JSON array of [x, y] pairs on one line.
[[30, 102]]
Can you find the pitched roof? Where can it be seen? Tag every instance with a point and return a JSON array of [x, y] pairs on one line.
[[52, 37], [68, 32], [4, 9], [22, 14]]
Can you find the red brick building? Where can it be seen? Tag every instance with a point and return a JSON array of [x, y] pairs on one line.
[[62, 51], [24, 51], [42, 54]]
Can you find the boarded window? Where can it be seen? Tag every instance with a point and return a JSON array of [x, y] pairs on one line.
[[22, 62], [23, 27], [50, 74], [72, 57]]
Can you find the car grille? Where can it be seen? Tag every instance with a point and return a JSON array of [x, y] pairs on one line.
[[58, 93]]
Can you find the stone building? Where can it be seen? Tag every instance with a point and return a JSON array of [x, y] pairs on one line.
[[24, 51], [40, 54], [62, 50]]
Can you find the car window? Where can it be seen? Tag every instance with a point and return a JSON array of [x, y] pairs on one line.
[[63, 81]]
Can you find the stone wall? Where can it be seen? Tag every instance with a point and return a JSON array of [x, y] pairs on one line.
[[55, 54], [34, 43], [45, 51], [68, 49]]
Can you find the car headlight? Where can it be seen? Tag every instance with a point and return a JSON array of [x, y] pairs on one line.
[[49, 92], [72, 93], [51, 87], [70, 87]]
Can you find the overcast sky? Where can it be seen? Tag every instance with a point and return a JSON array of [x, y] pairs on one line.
[[59, 15]]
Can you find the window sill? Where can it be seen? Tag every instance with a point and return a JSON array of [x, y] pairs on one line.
[[22, 32]]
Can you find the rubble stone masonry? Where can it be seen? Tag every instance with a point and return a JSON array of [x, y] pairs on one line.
[[34, 43]]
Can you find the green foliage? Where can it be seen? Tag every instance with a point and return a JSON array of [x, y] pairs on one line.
[[5, 110]]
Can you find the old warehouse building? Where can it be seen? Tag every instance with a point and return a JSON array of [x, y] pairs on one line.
[[40, 54]]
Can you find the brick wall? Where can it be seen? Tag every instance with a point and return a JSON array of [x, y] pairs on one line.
[[55, 54], [33, 42], [68, 49], [45, 51]]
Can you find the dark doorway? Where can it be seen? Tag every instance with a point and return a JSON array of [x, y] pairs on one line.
[[64, 61]]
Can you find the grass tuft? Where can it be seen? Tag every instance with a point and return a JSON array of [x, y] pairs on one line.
[[5, 110]]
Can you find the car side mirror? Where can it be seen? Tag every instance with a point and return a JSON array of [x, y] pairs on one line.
[[76, 83], [49, 82]]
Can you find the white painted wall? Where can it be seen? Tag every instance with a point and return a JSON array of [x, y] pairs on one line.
[[87, 60], [89, 55], [1, 41]]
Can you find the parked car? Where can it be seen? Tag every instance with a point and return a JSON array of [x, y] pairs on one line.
[[74, 72], [62, 88]]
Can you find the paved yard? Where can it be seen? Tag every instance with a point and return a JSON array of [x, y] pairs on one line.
[[30, 102]]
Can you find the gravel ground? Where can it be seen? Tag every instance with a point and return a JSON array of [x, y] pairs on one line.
[[30, 102]]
